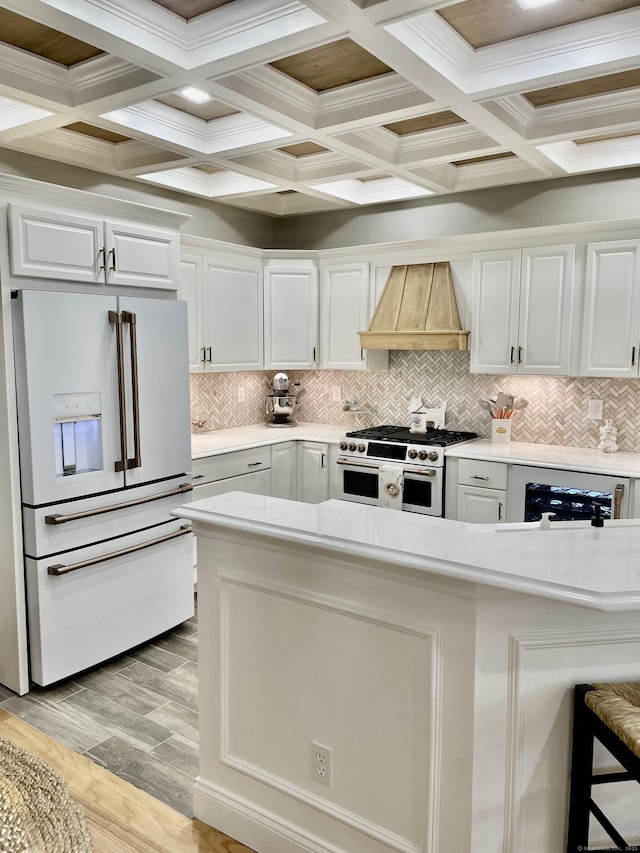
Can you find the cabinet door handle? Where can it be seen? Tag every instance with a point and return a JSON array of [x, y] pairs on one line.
[[477, 477], [198, 477], [112, 254], [633, 356], [204, 354], [253, 464], [209, 354], [499, 510], [519, 355], [102, 256], [314, 354], [513, 349], [322, 460]]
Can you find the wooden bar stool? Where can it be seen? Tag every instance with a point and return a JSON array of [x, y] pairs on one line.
[[610, 713]]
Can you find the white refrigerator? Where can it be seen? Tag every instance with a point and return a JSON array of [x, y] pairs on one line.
[[105, 455]]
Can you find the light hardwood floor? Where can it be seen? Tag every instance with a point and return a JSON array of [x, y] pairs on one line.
[[120, 817]]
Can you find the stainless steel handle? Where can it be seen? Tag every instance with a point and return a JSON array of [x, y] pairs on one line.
[[89, 513], [112, 254], [618, 494], [499, 510], [253, 464], [130, 318], [103, 253], [477, 477], [61, 569], [116, 318], [513, 349], [357, 463]]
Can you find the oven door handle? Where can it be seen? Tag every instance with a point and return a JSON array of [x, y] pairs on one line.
[[358, 463]]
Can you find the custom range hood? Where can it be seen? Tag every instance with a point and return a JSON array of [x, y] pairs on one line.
[[417, 310]]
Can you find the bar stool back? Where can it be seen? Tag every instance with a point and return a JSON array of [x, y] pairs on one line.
[[609, 713]]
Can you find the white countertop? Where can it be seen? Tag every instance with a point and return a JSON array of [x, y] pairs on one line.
[[590, 567], [256, 435], [550, 456]]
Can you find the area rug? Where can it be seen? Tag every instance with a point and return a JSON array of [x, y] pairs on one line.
[[37, 812]]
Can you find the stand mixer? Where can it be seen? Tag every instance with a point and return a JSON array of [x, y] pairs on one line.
[[281, 401]]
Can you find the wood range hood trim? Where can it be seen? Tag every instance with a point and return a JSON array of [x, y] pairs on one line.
[[417, 311]]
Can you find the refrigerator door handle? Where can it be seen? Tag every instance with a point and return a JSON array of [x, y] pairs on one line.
[[130, 318], [89, 513], [116, 319], [61, 569]]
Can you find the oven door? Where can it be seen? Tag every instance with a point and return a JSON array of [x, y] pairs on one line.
[[359, 481]]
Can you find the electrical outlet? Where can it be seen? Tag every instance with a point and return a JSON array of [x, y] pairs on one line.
[[337, 393], [322, 763], [241, 393], [594, 412]]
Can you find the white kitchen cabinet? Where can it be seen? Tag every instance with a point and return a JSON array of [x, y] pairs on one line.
[[522, 310], [346, 304], [68, 247], [611, 334], [313, 472], [283, 470], [224, 298], [481, 491], [290, 317]]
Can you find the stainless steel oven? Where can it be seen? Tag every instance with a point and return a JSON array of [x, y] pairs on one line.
[[389, 466], [363, 482]]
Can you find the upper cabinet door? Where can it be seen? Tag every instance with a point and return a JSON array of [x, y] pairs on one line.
[[233, 316], [50, 245], [142, 257], [291, 317], [546, 300], [191, 293], [494, 330], [344, 311], [612, 310]]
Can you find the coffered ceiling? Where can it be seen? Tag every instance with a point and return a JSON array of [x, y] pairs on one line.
[[323, 104]]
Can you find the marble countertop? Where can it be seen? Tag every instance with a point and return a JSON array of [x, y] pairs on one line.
[[256, 435], [590, 567], [550, 456]]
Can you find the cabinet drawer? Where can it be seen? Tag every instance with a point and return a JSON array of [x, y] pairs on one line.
[[475, 472], [210, 468]]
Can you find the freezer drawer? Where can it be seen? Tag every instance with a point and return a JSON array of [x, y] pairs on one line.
[[75, 524], [93, 611]]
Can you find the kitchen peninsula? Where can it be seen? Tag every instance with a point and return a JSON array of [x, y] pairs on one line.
[[375, 681]]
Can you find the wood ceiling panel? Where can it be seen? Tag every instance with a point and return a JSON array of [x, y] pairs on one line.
[[209, 168], [43, 41], [484, 159], [97, 132], [337, 64], [605, 137], [304, 149], [422, 123], [209, 111], [188, 9], [585, 88], [485, 22]]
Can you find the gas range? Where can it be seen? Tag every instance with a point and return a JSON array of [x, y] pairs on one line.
[[398, 444]]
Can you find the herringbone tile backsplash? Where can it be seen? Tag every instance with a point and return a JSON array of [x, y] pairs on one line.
[[556, 414]]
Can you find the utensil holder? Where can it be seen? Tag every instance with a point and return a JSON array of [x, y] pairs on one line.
[[501, 430]]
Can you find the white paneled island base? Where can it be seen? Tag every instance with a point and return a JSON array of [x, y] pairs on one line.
[[432, 661]]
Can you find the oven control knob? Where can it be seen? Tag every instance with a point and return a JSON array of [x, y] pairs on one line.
[[412, 453], [362, 448], [352, 447], [433, 456], [422, 454], [343, 445]]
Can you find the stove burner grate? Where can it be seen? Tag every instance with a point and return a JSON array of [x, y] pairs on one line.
[[433, 436]]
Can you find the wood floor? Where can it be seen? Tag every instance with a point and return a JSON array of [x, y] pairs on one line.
[[131, 722]]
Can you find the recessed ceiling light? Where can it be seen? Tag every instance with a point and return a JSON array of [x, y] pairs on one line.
[[532, 4], [197, 96]]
